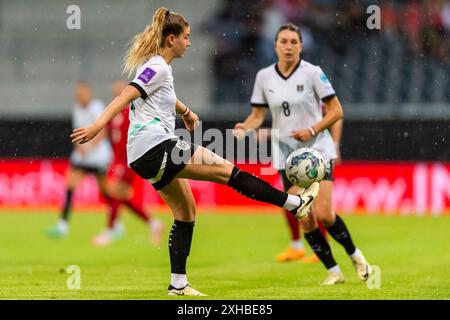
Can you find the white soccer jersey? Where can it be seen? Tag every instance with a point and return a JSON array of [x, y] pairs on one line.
[[152, 116], [100, 156], [295, 103]]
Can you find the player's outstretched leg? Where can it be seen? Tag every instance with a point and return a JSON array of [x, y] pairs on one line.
[[255, 188], [208, 166]]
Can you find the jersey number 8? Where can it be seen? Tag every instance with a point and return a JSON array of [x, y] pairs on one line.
[[286, 110]]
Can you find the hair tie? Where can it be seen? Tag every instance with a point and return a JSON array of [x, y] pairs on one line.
[[167, 13]]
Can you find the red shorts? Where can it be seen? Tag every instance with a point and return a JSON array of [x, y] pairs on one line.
[[121, 171]]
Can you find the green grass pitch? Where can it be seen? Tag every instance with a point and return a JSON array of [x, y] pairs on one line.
[[232, 257]]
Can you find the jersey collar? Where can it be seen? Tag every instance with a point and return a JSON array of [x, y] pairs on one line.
[[293, 71]]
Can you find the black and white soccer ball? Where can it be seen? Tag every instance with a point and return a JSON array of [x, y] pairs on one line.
[[305, 166]]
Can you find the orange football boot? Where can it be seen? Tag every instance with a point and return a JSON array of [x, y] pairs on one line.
[[310, 259], [291, 254]]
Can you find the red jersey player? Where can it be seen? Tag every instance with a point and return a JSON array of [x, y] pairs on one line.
[[121, 180]]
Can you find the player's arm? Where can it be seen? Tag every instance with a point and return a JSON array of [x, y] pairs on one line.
[[254, 120], [336, 134], [324, 90], [103, 134], [189, 118], [333, 114], [85, 134]]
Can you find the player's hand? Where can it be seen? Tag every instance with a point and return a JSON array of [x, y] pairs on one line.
[[302, 135], [85, 134], [191, 121], [239, 131]]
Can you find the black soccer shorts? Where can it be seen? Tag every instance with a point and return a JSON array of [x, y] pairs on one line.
[[163, 162]]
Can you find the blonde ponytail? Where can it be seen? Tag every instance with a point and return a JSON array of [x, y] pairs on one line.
[[149, 42]]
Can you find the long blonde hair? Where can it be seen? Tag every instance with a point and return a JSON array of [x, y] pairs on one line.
[[149, 42]]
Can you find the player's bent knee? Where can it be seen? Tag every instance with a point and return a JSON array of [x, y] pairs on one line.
[[225, 172], [326, 217]]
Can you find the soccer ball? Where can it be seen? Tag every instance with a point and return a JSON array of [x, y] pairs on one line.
[[305, 166]]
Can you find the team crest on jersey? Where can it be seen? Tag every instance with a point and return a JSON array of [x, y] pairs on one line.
[[300, 88]]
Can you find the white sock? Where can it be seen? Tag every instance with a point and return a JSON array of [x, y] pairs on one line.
[[63, 226], [356, 253], [335, 269], [292, 202], [297, 244], [178, 281]]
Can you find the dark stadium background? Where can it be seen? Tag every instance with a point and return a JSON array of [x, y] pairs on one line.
[[394, 83]]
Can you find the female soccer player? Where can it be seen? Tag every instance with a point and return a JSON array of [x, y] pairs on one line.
[[93, 158], [157, 155], [293, 90], [120, 182], [296, 250]]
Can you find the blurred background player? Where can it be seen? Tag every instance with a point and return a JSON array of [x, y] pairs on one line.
[[293, 90], [92, 158], [120, 181]]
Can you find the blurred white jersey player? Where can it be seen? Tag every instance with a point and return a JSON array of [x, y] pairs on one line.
[[91, 158], [294, 102], [99, 155], [294, 91]]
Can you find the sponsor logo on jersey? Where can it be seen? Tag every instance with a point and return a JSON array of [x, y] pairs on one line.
[[147, 75], [300, 88]]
